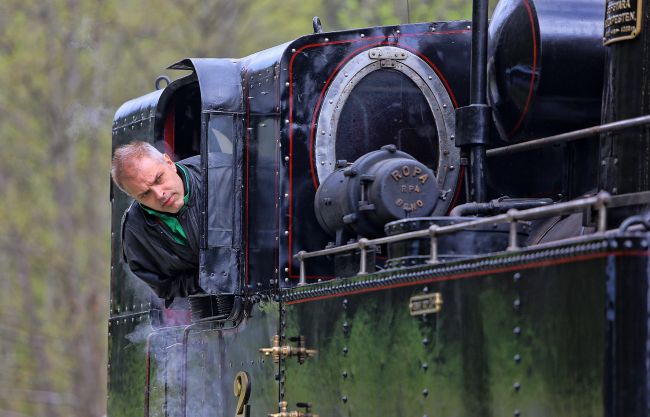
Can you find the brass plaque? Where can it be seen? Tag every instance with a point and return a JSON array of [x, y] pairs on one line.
[[420, 305], [622, 20]]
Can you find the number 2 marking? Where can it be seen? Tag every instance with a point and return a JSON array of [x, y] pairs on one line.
[[242, 389]]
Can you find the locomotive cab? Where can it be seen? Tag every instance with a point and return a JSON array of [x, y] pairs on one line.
[[182, 121], [169, 119]]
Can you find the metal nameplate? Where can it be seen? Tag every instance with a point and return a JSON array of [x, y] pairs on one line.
[[420, 305], [622, 20]]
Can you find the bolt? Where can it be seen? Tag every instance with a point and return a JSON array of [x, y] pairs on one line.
[[345, 350], [425, 392], [344, 399], [517, 304], [425, 341], [516, 386], [517, 331], [425, 366], [516, 277], [345, 374], [517, 413]]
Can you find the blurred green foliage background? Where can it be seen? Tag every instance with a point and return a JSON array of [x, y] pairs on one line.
[[65, 67]]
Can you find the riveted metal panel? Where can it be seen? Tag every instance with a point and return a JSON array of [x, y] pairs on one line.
[[520, 334]]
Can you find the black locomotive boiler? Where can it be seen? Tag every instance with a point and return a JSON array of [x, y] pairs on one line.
[[413, 220]]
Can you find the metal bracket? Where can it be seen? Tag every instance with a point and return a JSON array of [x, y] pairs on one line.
[[387, 53]]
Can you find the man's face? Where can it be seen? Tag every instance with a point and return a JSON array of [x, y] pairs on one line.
[[155, 184]]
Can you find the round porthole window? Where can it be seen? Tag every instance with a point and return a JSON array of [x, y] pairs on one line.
[[388, 95]]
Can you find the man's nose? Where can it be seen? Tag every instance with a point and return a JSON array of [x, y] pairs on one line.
[[159, 193]]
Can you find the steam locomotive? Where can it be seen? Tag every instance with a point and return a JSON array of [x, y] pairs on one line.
[[432, 219]]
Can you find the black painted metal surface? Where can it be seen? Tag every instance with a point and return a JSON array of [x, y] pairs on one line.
[[182, 370], [624, 155], [545, 77], [545, 66], [627, 379], [307, 65], [521, 334]]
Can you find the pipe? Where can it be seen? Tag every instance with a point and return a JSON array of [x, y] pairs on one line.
[[478, 100], [478, 187], [499, 205], [478, 80]]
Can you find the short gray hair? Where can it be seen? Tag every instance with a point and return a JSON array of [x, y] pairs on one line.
[[125, 157]]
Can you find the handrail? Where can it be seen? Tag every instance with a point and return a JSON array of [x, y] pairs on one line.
[[569, 136], [599, 202]]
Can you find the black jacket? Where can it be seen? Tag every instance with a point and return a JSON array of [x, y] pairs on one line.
[[171, 269]]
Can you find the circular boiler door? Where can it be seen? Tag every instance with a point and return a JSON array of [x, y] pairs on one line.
[[388, 95]]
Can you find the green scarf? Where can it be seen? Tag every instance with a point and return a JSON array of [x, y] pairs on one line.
[[171, 219]]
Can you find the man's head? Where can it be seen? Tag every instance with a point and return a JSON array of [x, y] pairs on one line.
[[148, 176]]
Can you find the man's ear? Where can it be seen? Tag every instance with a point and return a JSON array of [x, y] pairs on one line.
[[168, 160]]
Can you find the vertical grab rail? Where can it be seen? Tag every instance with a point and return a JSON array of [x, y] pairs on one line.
[[512, 234], [433, 229], [363, 261]]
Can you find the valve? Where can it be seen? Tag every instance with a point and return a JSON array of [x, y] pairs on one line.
[[299, 351], [284, 413]]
